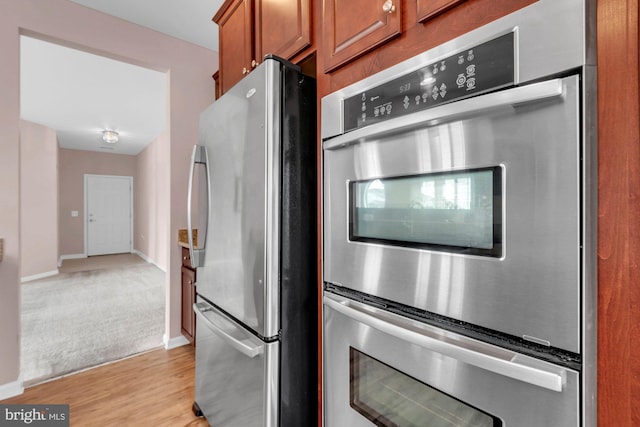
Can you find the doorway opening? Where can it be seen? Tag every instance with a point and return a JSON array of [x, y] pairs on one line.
[[72, 320]]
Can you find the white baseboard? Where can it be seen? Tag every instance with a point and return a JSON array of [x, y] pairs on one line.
[[143, 256], [174, 342], [147, 259], [39, 276], [70, 256], [11, 389]]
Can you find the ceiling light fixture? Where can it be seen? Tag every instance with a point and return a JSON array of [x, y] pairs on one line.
[[110, 136]]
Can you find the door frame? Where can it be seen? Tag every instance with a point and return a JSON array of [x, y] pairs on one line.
[[86, 206]]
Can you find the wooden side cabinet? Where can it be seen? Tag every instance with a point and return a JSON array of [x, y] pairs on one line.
[[188, 297]]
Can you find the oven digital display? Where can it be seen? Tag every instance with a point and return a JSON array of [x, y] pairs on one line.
[[476, 70], [390, 398], [453, 211]]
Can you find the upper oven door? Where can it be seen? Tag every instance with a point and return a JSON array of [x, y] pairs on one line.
[[469, 210]]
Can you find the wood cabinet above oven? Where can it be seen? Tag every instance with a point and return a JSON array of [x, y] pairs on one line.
[[361, 38], [355, 27]]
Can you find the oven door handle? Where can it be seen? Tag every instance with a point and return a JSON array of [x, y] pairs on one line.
[[454, 111], [473, 352]]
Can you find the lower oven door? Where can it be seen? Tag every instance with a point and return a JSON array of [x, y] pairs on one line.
[[386, 370]]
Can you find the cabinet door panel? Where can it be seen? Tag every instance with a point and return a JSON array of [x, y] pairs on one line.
[[354, 27], [188, 298], [283, 27], [236, 41], [428, 9]]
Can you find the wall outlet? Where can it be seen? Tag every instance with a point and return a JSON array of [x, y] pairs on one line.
[[74, 213]]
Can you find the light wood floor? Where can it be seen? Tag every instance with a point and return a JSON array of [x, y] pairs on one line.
[[152, 389], [99, 262]]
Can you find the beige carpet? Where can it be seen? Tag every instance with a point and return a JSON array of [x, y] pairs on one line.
[[76, 320]]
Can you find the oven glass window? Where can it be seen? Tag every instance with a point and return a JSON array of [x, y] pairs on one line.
[[457, 211], [389, 398]]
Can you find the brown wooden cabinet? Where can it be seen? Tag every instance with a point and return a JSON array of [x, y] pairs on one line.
[[235, 25], [188, 297], [251, 29], [428, 9], [353, 28], [282, 28], [618, 40]]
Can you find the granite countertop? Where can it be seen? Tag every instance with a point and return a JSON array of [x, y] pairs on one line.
[[183, 237]]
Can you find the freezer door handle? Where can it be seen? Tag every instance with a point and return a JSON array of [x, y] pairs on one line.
[[243, 346], [198, 156], [467, 350]]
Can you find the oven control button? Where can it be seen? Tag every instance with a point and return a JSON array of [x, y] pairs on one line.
[[435, 93], [461, 80], [471, 70], [471, 83], [405, 102], [470, 55], [443, 90]]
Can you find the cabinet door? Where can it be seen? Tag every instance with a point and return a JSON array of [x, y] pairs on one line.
[[354, 27], [283, 28], [235, 27], [188, 298], [428, 9]]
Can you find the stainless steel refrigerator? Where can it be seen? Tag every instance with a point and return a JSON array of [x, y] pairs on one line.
[[256, 307]]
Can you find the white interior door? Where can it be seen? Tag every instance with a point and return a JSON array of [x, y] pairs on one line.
[[109, 214]]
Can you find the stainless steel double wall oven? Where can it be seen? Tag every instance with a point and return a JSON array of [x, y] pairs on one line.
[[459, 231]]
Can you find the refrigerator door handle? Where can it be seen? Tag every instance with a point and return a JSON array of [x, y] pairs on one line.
[[243, 346], [199, 155]]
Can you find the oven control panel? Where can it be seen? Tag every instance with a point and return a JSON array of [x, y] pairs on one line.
[[475, 70]]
